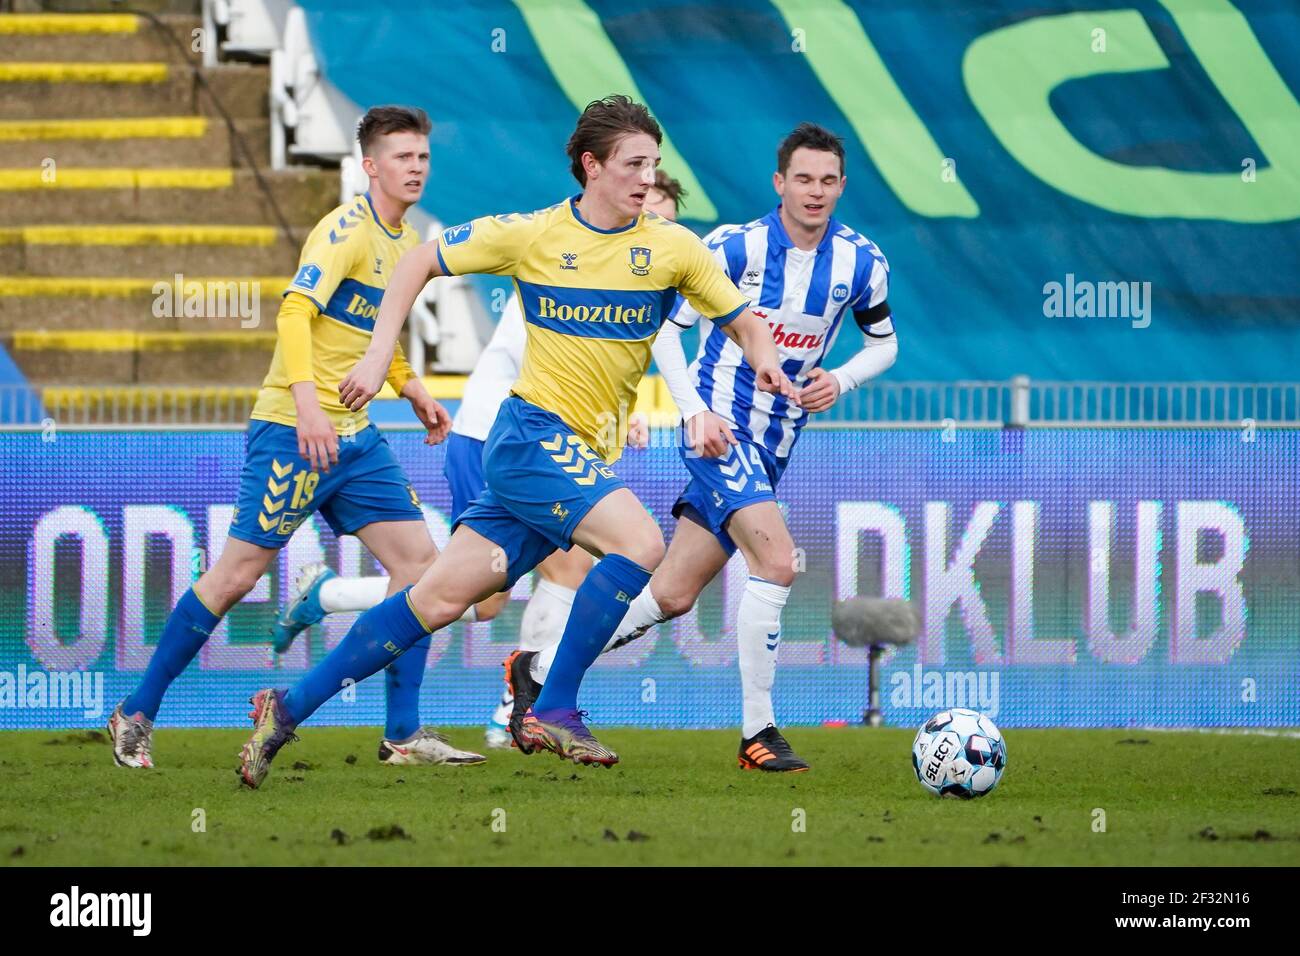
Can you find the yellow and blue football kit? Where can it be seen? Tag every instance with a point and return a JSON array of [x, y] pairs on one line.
[[593, 300], [325, 324], [342, 273]]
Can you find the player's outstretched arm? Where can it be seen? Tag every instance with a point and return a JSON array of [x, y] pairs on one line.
[[411, 273], [671, 359], [707, 432], [755, 339]]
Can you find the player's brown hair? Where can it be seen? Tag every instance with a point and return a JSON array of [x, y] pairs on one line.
[[670, 187], [602, 124], [808, 136], [382, 120]]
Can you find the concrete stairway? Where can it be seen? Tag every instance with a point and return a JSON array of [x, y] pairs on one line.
[[136, 246]]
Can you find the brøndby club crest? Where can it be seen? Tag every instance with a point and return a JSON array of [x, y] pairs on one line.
[[640, 264]]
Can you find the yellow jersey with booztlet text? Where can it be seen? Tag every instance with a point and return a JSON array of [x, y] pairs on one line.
[[344, 269], [593, 301]]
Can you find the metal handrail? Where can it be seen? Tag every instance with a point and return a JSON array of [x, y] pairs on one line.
[[1021, 401], [1018, 402]]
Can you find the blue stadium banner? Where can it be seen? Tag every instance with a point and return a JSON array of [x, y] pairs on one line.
[[1064, 188], [1074, 577]]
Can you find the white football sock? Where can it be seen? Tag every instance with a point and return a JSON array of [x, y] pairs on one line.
[[758, 636], [545, 616], [352, 594], [540, 665], [642, 614], [361, 594]]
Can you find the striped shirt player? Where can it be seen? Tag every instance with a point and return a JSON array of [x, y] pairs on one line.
[[805, 298]]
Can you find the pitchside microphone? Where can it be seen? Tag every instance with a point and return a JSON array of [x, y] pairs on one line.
[[875, 623]]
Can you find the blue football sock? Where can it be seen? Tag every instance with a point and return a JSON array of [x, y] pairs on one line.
[[187, 629], [403, 678], [598, 608], [378, 636]]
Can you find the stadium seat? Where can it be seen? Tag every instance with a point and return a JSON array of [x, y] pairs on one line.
[[247, 27], [307, 112]]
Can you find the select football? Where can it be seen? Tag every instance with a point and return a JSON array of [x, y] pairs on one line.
[[959, 753]]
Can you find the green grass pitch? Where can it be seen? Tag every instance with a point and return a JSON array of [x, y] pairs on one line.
[[677, 798]]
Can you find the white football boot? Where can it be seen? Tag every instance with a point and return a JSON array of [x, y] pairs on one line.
[[132, 739], [425, 746]]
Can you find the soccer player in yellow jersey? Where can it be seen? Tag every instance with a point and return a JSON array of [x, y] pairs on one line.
[[307, 452], [319, 591], [596, 276]]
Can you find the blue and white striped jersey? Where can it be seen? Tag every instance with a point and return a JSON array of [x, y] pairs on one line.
[[803, 296]]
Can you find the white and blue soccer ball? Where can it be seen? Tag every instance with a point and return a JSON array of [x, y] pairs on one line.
[[959, 753]]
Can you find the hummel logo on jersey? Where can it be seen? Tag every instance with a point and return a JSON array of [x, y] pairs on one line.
[[379, 266], [560, 511], [717, 499], [751, 277], [569, 259]]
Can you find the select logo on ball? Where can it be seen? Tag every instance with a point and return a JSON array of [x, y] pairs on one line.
[[934, 762]]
